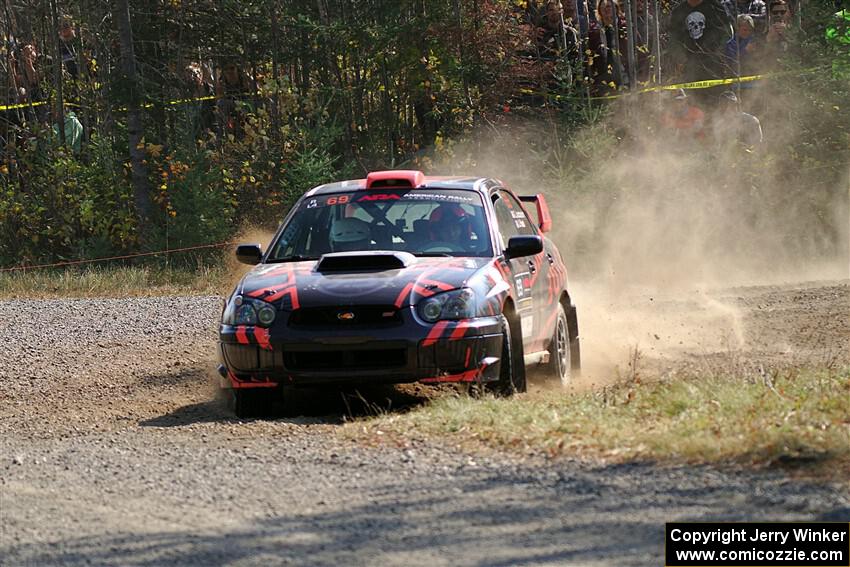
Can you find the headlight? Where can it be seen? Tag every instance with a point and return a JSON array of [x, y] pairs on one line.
[[245, 311], [455, 304]]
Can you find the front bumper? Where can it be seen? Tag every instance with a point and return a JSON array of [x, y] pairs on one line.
[[408, 350]]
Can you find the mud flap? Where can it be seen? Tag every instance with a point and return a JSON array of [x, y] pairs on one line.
[[575, 349]]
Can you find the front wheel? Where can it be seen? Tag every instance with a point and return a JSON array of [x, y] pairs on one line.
[[512, 368]]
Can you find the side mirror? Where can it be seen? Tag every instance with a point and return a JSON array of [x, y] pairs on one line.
[[520, 246], [250, 254]]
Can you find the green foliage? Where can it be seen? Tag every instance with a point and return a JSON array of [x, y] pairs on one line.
[[54, 206], [331, 89]]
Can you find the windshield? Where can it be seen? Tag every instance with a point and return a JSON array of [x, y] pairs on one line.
[[420, 221]]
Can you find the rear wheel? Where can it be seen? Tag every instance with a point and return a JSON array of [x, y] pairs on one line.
[[247, 403], [559, 368], [512, 368]]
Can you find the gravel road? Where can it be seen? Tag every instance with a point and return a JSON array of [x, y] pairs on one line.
[[114, 451]]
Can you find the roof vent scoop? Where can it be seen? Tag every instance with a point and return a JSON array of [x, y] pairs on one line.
[[376, 261], [401, 178]]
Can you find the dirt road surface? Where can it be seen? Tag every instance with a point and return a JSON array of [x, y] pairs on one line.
[[114, 450]]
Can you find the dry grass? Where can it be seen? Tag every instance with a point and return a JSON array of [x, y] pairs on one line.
[[792, 417], [99, 281]]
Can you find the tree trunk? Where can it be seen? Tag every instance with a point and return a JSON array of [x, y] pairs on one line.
[[59, 108], [135, 130]]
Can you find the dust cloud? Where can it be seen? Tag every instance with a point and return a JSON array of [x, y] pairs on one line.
[[653, 225]]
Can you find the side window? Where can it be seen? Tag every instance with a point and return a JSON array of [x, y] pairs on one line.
[[507, 228], [512, 219], [521, 221]]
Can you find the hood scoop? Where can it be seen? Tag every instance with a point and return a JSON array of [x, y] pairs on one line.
[[364, 261]]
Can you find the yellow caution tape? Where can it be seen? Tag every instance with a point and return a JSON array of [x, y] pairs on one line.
[[121, 109], [22, 105], [706, 84]]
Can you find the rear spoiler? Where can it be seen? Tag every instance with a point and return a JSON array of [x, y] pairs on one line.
[[544, 219]]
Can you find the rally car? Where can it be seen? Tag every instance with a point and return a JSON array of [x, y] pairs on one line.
[[400, 277]]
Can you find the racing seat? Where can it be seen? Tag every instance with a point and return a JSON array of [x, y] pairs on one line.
[[350, 234], [382, 236]]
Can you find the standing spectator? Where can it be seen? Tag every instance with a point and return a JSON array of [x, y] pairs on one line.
[[559, 42], [756, 9], [201, 109], [607, 47], [740, 49], [685, 121], [73, 131], [782, 39], [233, 88], [572, 17], [552, 35], [27, 82], [698, 31], [734, 128], [67, 49]]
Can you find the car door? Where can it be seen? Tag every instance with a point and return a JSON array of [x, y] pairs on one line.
[[512, 221]]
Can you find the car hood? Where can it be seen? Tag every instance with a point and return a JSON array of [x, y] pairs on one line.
[[300, 284]]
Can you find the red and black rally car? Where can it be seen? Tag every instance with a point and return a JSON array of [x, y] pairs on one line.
[[400, 277]]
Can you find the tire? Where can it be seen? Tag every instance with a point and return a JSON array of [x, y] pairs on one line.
[[560, 366], [249, 403], [512, 368]]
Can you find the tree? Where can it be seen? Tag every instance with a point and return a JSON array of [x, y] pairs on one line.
[[135, 129]]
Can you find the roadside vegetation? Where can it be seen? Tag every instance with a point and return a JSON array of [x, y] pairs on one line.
[[115, 281], [789, 418]]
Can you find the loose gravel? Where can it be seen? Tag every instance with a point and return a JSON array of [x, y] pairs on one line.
[[114, 450]]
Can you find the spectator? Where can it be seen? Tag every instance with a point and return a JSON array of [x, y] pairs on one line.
[[554, 36], [27, 75], [67, 37], [201, 112], [233, 87], [27, 81], [756, 9], [733, 127], [781, 36], [607, 47], [698, 32], [73, 131], [740, 49], [561, 42], [572, 17], [685, 121]]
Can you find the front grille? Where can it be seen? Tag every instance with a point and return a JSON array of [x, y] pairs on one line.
[[361, 315], [345, 359]]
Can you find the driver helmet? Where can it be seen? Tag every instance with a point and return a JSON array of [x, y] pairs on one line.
[[350, 234], [449, 223]]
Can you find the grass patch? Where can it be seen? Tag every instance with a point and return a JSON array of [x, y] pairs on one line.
[[114, 281], [799, 416]]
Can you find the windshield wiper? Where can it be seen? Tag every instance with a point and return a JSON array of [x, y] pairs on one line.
[[433, 254], [293, 258]]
